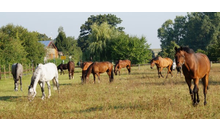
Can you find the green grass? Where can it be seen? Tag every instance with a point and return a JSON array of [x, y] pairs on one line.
[[140, 95]]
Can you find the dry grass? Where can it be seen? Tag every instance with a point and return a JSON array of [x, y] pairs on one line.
[[141, 95]]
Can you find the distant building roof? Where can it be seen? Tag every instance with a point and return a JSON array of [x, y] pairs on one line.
[[46, 43]]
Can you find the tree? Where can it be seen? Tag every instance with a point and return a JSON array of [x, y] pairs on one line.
[[99, 40], [85, 29], [130, 47], [16, 39]]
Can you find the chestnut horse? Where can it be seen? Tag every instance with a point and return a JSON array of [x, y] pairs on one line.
[[162, 63], [99, 67], [71, 67], [194, 66], [84, 67], [122, 64]]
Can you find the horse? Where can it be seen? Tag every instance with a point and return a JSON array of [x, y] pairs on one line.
[[71, 67], [62, 67], [162, 63], [42, 74], [99, 67], [17, 72], [84, 67], [195, 66], [122, 64]]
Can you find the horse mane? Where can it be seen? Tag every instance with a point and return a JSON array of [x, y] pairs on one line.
[[187, 49], [155, 58], [36, 72], [89, 68]]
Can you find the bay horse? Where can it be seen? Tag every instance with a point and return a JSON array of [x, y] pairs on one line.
[[17, 72], [96, 68], [71, 67], [162, 63], [122, 64], [84, 67], [195, 66], [42, 74], [62, 67]]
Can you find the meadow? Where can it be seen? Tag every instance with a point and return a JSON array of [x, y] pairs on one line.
[[140, 95]]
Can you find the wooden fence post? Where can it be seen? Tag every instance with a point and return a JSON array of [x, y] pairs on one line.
[[4, 72], [0, 72]]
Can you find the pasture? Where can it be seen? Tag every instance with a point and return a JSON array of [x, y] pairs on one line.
[[140, 95]]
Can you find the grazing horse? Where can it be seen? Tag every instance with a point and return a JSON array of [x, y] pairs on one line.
[[99, 67], [42, 74], [122, 64], [194, 66], [62, 67], [71, 67], [17, 71], [162, 63], [84, 67]]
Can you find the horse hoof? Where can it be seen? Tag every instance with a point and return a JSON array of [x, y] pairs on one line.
[[195, 104], [205, 103]]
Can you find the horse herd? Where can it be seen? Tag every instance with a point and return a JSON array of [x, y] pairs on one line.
[[194, 66]]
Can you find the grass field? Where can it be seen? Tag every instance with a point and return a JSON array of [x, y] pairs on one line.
[[140, 95]]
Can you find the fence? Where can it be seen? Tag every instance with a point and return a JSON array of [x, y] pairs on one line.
[[5, 71]]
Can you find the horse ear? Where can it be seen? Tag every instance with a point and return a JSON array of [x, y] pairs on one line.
[[181, 48], [175, 48]]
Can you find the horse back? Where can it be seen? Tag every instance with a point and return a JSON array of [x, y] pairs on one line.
[[164, 62], [17, 70], [101, 67], [124, 63], [70, 66]]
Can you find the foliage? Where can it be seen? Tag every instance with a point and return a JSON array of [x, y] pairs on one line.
[[130, 47], [68, 45], [197, 30], [17, 44], [85, 29], [109, 44]]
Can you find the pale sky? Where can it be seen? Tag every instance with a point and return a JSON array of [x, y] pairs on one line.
[[135, 23]]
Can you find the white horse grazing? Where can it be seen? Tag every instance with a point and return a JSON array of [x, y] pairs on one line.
[[42, 74], [17, 71]]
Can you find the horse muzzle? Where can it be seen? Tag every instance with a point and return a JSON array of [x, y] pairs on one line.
[[151, 67]]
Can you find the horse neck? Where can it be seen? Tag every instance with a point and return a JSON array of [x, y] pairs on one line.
[[88, 71], [35, 78], [188, 60]]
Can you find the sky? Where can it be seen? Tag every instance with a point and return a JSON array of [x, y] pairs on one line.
[[135, 23]]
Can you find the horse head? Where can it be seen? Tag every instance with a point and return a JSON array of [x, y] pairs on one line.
[[116, 69], [179, 57]]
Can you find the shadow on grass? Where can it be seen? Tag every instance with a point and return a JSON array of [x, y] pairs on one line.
[[9, 98]]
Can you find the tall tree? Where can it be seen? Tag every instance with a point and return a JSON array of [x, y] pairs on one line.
[[85, 29]]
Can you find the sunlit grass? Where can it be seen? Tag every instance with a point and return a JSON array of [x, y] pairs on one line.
[[140, 95]]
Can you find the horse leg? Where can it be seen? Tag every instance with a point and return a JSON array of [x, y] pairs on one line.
[[196, 91], [42, 84], [20, 84], [15, 82], [205, 81], [94, 77], [158, 72], [188, 81], [98, 77], [119, 69], [57, 84], [49, 90], [129, 69], [161, 72]]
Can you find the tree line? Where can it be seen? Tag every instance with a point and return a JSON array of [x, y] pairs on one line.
[[101, 39], [197, 30]]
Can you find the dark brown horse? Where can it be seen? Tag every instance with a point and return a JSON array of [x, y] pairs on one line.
[[62, 67], [162, 63], [84, 67], [71, 67], [122, 64], [194, 66], [97, 68]]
